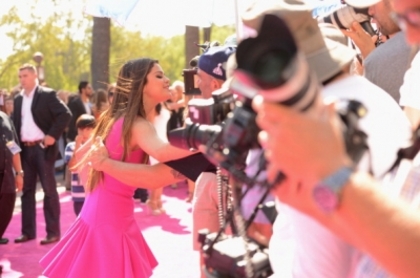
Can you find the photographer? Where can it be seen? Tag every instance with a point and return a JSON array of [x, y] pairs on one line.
[[384, 64], [322, 254], [385, 228], [211, 75]]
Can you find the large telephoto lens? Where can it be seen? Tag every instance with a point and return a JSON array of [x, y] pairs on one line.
[[193, 135], [266, 58], [344, 16], [270, 65]]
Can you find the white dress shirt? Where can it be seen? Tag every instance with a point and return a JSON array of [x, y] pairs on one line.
[[29, 131]]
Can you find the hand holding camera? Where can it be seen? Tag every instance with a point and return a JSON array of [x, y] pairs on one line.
[[362, 39]]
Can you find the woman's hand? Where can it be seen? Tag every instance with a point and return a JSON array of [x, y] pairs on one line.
[[97, 155]]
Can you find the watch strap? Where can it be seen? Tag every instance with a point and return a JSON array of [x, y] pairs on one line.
[[327, 193]]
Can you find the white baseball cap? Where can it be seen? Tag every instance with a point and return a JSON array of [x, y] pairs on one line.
[[361, 3]]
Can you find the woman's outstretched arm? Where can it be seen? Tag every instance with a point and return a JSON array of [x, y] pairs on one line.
[[144, 135], [133, 174]]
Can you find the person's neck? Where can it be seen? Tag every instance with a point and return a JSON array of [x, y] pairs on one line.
[[28, 91], [149, 109], [84, 98]]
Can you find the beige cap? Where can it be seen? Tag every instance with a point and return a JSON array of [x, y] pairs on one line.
[[324, 56]]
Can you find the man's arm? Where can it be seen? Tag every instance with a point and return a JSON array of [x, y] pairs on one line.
[[61, 115], [17, 166], [312, 149], [389, 230]]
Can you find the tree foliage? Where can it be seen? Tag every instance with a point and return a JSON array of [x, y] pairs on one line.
[[65, 39]]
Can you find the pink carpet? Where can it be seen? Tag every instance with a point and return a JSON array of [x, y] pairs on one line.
[[168, 235]]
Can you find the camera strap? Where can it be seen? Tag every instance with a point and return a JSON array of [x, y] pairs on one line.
[[225, 199], [354, 138], [257, 208], [409, 152]]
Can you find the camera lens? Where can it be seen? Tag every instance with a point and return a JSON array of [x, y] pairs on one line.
[[268, 67]]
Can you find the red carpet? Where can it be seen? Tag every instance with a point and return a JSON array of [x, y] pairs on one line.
[[168, 235]]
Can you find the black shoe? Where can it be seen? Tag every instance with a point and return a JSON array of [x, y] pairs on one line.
[[49, 240], [4, 241], [23, 238]]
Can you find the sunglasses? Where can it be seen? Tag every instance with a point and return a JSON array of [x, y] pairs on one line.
[[411, 17]]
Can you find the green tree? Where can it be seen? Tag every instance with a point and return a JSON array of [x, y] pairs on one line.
[[65, 39], [126, 45], [64, 57]]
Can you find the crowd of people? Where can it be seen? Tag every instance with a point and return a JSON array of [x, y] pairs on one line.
[[346, 207]]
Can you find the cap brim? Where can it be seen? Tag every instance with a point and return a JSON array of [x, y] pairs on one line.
[[362, 3], [330, 60]]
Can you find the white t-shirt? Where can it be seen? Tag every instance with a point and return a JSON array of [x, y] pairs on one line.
[[315, 251], [410, 90]]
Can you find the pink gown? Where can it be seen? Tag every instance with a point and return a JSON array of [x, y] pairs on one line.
[[105, 240]]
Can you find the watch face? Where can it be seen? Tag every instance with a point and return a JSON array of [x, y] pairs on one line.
[[325, 198]]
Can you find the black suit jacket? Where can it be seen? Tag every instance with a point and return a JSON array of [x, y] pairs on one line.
[[77, 108], [50, 114]]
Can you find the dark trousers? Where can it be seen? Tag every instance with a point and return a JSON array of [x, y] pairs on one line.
[[34, 165], [7, 205], [142, 194]]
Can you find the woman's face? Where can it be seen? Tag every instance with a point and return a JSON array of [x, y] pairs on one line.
[[9, 106], [157, 86]]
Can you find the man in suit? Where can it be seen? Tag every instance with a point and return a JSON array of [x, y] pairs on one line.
[[79, 105], [40, 118]]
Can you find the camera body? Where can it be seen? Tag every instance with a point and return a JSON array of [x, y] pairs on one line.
[[344, 16], [225, 255], [211, 111], [189, 82]]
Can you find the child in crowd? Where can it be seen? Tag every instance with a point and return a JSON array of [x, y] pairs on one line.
[[84, 124]]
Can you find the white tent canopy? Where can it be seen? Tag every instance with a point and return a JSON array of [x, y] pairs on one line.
[[167, 13]]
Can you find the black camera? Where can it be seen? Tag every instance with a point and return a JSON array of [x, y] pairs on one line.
[[211, 111], [205, 120], [189, 82], [344, 16], [226, 256]]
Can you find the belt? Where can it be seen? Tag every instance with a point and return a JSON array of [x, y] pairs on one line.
[[31, 144]]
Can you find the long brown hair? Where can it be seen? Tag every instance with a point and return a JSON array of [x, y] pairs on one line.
[[127, 103]]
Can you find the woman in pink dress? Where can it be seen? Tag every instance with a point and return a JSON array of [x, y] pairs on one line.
[[105, 240]]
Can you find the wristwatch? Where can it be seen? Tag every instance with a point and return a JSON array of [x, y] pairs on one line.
[[19, 173], [327, 193]]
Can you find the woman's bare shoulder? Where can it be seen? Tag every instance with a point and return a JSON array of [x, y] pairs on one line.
[[141, 125], [140, 121]]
